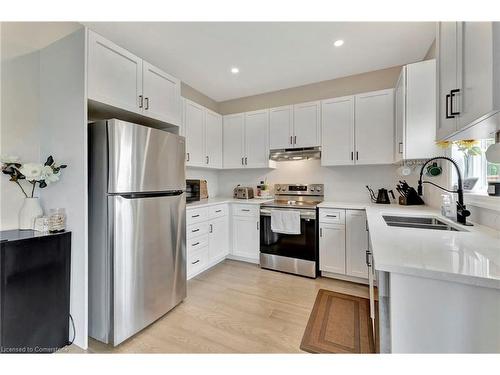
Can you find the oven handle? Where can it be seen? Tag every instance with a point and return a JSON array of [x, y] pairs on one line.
[[304, 214]]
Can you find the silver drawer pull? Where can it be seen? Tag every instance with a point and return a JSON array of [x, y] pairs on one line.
[[331, 215], [245, 209], [217, 211], [195, 244], [195, 262], [195, 216], [195, 230]]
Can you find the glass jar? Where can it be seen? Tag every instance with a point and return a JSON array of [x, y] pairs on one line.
[[42, 224], [57, 220]]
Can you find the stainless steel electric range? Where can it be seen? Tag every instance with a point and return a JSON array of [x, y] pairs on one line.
[[292, 253]]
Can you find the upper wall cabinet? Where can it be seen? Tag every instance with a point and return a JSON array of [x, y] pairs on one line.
[[465, 58], [358, 129], [415, 112], [203, 131], [295, 126], [246, 140], [122, 80]]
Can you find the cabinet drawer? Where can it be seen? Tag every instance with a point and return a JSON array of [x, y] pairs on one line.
[[245, 210], [217, 211], [196, 215], [197, 230], [197, 260], [333, 216], [196, 243]]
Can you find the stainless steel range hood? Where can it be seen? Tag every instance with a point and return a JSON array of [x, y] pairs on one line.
[[291, 154]]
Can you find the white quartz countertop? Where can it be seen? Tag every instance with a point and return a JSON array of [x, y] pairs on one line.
[[471, 256], [221, 200]]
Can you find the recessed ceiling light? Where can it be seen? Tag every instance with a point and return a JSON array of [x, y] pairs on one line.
[[235, 70], [338, 43]]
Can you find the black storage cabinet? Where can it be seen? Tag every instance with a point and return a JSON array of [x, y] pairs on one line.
[[34, 291]]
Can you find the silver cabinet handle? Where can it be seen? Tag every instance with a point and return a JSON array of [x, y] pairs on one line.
[[195, 230], [195, 262], [195, 216], [187, 156], [357, 155], [321, 232], [147, 103], [242, 161], [245, 209], [331, 215], [217, 211], [291, 140], [141, 101], [211, 228], [195, 244], [258, 228], [246, 160], [207, 159], [367, 258], [294, 139], [400, 147]]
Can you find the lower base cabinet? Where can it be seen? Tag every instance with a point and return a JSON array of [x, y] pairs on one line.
[[218, 239], [343, 243], [246, 233]]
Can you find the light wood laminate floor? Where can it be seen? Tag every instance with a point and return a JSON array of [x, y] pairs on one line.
[[235, 307]]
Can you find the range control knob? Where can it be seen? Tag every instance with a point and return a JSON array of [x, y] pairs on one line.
[[318, 188], [311, 188], [278, 188]]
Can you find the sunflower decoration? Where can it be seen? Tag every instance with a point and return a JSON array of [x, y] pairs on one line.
[[469, 147]]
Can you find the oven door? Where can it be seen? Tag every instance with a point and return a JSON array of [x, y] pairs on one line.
[[292, 253]]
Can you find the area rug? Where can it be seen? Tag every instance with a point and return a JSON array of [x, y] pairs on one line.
[[339, 323]]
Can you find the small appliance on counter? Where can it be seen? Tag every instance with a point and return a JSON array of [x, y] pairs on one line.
[[382, 196], [263, 191], [196, 190], [243, 192], [408, 195]]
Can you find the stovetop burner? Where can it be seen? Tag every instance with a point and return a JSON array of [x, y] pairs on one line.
[[296, 196]]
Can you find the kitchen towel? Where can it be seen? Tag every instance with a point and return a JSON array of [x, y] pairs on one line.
[[285, 221]]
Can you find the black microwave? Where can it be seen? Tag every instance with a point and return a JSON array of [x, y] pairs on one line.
[[193, 190]]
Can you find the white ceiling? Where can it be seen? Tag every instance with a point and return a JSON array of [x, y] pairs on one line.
[[270, 56]]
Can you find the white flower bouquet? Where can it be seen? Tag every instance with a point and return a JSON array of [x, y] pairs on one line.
[[33, 173]]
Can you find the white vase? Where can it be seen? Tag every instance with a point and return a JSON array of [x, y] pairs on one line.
[[30, 210]]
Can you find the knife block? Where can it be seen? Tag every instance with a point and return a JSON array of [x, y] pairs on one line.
[[412, 199]]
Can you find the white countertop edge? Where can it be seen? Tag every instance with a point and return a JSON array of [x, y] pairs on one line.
[[224, 200]]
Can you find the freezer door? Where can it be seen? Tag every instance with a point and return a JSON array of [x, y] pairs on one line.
[[143, 159], [149, 260]]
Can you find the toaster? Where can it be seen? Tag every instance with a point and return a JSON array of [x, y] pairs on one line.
[[243, 192]]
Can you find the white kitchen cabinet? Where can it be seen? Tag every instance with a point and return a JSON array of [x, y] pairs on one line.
[[123, 80], [161, 93], [281, 127], [218, 239], [257, 139], [306, 124], [466, 61], [415, 112], [213, 139], [246, 238], [114, 74], [233, 141], [194, 127], [356, 244], [337, 128], [374, 127], [332, 248]]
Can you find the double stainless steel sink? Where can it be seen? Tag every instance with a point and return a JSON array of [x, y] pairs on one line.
[[419, 223]]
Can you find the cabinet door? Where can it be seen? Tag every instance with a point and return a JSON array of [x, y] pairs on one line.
[[477, 71], [162, 94], [447, 56], [374, 129], [233, 134], [257, 139], [281, 127], [114, 74], [399, 115], [337, 128], [356, 244], [246, 239], [213, 139], [420, 128], [218, 238], [306, 124], [194, 117], [332, 248]]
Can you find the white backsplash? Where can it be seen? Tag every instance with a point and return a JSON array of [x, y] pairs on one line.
[[205, 174], [484, 216]]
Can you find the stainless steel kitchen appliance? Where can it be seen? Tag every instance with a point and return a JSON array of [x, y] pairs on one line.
[[137, 245], [243, 192], [292, 253]]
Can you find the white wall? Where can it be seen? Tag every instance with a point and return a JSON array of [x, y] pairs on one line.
[[19, 133]]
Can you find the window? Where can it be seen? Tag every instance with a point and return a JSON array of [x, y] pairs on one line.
[[470, 156]]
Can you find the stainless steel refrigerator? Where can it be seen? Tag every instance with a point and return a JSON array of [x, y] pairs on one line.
[[137, 245]]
